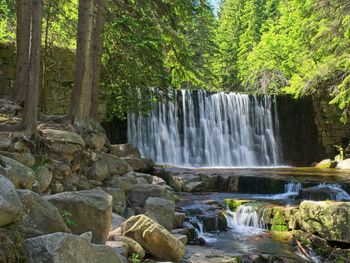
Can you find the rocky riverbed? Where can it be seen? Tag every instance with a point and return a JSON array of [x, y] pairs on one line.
[[74, 197]]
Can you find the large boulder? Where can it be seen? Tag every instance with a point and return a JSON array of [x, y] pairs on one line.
[[61, 136], [327, 163], [116, 165], [98, 170], [11, 247], [327, 219], [344, 165], [67, 248], [43, 176], [96, 140], [90, 210], [20, 175], [41, 217], [125, 150], [154, 238], [141, 192], [126, 182], [161, 210], [25, 158], [10, 204], [136, 164], [119, 199]]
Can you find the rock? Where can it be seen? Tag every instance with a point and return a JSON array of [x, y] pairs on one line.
[[135, 163], [161, 210], [10, 203], [183, 238], [158, 181], [140, 193], [99, 170], [193, 187], [125, 150], [147, 177], [119, 199], [179, 219], [25, 158], [327, 163], [148, 165], [67, 248], [125, 182], [61, 136], [20, 175], [119, 247], [154, 238], [117, 220], [134, 247], [116, 165], [327, 219], [322, 193], [91, 210], [344, 165], [12, 249], [41, 217], [96, 141], [43, 176], [87, 236], [179, 181]]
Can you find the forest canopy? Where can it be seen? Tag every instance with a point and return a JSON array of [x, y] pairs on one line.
[[299, 47]]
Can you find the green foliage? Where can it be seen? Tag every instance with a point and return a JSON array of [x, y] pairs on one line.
[[67, 218], [7, 21], [300, 47], [278, 222], [134, 258]]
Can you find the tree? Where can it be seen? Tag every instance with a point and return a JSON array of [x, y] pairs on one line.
[[84, 102]]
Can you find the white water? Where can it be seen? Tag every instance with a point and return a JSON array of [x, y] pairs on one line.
[[203, 129], [245, 216], [198, 224], [340, 195]]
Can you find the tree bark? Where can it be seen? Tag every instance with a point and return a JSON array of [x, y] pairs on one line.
[[23, 10], [97, 40], [81, 94], [30, 116]]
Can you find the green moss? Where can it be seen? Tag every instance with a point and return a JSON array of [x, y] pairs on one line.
[[233, 204], [278, 222]]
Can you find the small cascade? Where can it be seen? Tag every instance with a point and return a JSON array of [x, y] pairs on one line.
[[197, 222], [199, 128], [246, 216], [292, 188], [338, 194]]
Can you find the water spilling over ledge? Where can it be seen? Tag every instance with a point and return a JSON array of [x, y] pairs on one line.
[[199, 128]]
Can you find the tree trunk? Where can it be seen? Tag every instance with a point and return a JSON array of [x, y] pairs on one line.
[[99, 21], [81, 94], [30, 116], [23, 9]]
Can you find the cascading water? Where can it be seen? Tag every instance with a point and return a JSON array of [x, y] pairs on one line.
[[246, 216], [199, 128]]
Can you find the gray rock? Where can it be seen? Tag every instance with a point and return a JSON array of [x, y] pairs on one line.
[[148, 165], [65, 137], [99, 170], [67, 248], [154, 238], [41, 217], [141, 192], [327, 219], [119, 199], [91, 210], [344, 165], [179, 219], [20, 175], [161, 211], [43, 176], [10, 204], [25, 158], [125, 182], [136, 164], [117, 220], [96, 140], [119, 247], [116, 165], [125, 150]]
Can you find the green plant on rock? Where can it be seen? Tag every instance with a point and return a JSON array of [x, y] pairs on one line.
[[134, 258], [67, 218], [278, 222]]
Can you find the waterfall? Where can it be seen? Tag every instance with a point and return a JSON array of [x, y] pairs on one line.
[[199, 128], [339, 194], [246, 216]]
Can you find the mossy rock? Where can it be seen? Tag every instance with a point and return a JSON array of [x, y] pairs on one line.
[[233, 204], [278, 221], [222, 222]]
